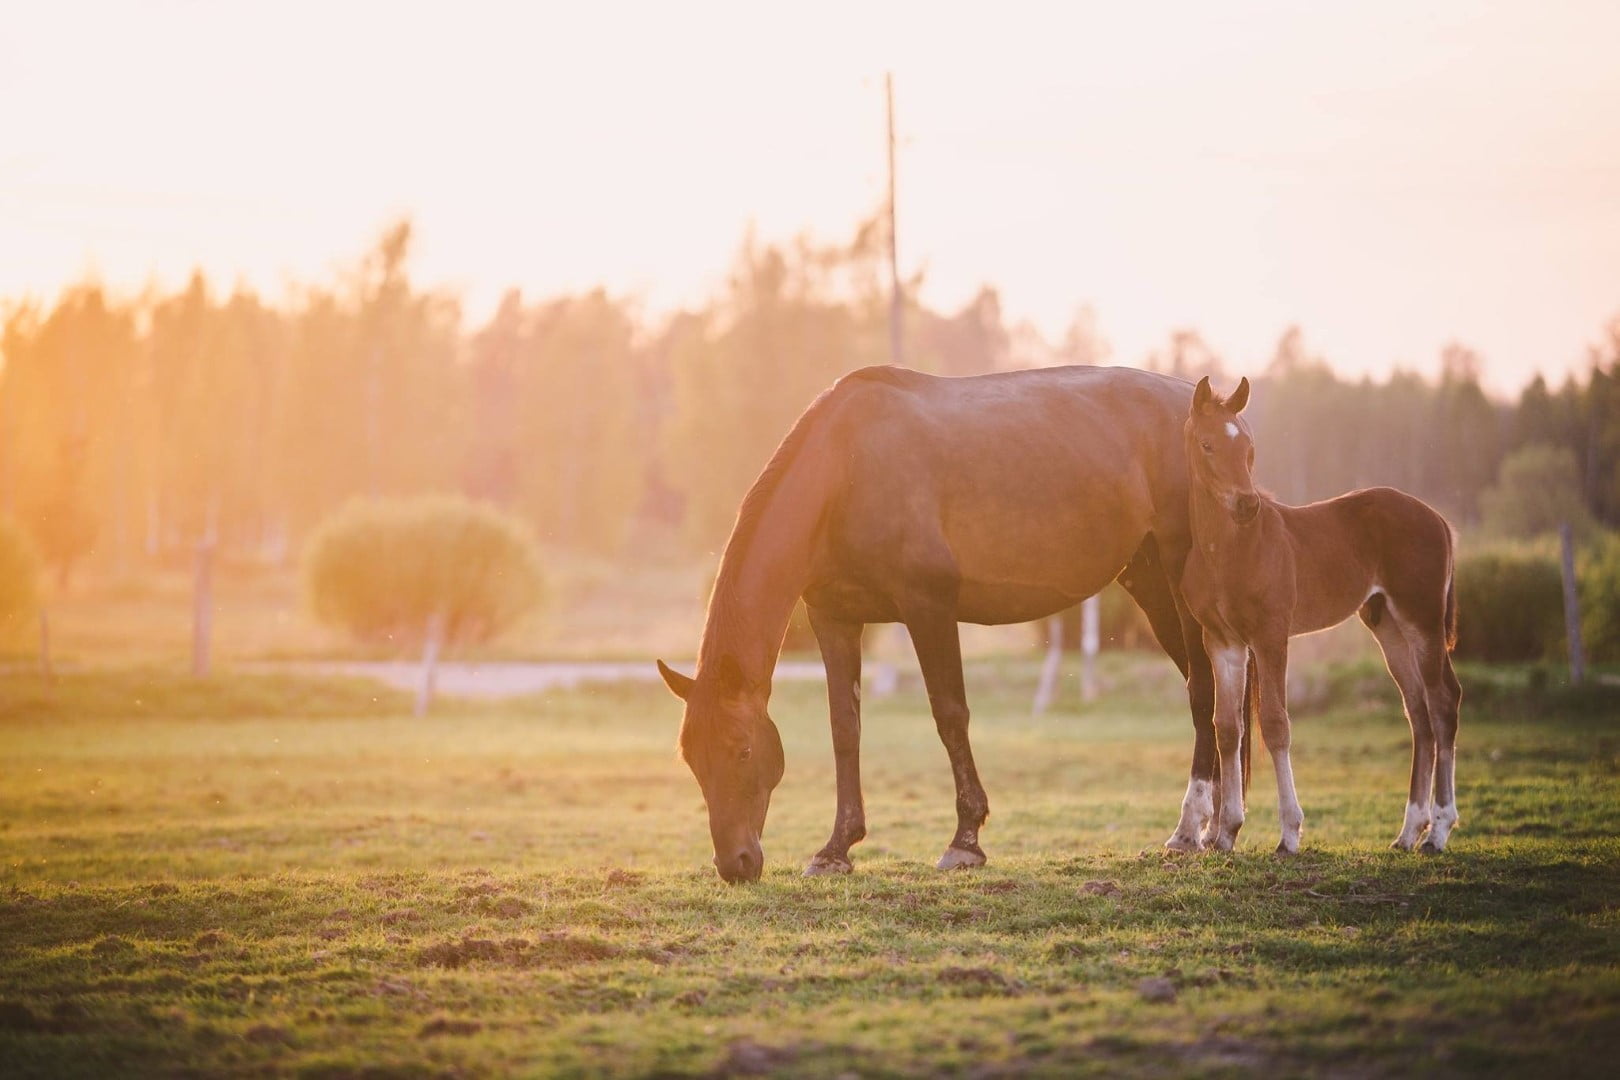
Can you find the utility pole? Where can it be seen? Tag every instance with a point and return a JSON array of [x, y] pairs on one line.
[[896, 305]]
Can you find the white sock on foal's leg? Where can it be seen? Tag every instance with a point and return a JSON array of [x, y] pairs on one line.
[[1417, 820]]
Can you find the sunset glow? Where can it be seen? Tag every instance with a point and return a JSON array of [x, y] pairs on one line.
[[1388, 176]]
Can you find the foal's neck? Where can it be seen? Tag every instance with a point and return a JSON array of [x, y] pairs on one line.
[[1215, 532]]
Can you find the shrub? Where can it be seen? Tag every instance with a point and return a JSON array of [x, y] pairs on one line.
[[1539, 487], [1600, 600], [1510, 607], [19, 583], [381, 568]]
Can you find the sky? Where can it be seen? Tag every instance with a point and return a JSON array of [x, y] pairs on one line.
[[1389, 176]]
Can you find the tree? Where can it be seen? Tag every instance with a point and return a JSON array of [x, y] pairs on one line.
[[1539, 487], [19, 583], [428, 572]]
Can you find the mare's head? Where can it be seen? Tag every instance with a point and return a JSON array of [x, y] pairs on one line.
[[1220, 450], [734, 751]]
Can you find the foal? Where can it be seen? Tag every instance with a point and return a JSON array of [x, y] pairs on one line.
[[1261, 572]]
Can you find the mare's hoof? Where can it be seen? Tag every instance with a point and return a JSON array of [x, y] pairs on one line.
[[1178, 842], [956, 858], [1430, 848], [1284, 849], [828, 864]]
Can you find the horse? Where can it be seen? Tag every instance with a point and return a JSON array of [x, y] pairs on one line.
[[1262, 572], [900, 496]]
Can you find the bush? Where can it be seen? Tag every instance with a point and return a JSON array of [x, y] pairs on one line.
[[19, 583], [1600, 600], [381, 568], [1510, 607]]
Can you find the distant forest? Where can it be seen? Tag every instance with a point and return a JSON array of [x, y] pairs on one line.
[[130, 428]]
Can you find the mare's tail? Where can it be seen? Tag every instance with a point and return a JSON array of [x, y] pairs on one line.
[[1251, 710]]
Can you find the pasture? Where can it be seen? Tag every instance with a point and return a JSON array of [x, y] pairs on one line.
[[255, 874]]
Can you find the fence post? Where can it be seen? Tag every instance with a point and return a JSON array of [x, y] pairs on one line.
[[431, 645], [1090, 642], [1046, 689], [1572, 606], [202, 606]]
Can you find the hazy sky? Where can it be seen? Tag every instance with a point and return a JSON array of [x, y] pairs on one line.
[[1390, 176]]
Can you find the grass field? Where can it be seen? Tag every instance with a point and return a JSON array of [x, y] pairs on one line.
[[254, 875]]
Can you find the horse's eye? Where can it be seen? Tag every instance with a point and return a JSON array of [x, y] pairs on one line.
[[1208, 449], [746, 753]]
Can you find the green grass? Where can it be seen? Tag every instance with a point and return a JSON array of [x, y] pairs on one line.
[[263, 875]]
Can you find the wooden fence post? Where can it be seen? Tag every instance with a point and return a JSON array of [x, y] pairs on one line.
[[1572, 606], [431, 645]]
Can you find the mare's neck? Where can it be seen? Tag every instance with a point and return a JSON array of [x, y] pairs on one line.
[[765, 569]]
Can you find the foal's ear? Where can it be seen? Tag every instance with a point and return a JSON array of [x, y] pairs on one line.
[[1202, 394], [1240, 396], [679, 685]]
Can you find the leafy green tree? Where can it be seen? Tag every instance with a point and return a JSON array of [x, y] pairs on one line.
[[1600, 600], [19, 583], [1539, 488], [384, 570]]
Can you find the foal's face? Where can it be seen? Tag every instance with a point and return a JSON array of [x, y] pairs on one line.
[[1220, 450], [734, 750]]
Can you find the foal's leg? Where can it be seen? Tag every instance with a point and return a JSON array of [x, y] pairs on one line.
[[1403, 668], [1271, 667], [1445, 699], [1230, 663], [841, 653], [939, 652]]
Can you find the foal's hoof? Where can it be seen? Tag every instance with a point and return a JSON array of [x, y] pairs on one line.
[[1179, 842], [956, 858], [1285, 850], [828, 864]]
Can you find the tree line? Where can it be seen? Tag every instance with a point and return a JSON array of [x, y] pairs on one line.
[[131, 428]]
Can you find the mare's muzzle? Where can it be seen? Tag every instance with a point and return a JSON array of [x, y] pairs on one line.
[[743, 864]]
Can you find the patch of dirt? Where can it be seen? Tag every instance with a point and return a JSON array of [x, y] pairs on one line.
[[400, 915], [981, 979], [1102, 888], [1157, 991], [504, 907], [483, 888], [111, 945], [267, 1035], [622, 879], [995, 887], [549, 950], [745, 1057], [691, 999], [162, 888], [208, 939], [444, 1025]]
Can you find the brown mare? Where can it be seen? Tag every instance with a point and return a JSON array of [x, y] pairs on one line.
[[904, 497], [1262, 572]]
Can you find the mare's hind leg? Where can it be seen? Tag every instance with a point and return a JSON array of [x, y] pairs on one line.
[[1403, 668], [1445, 699], [841, 653], [939, 652]]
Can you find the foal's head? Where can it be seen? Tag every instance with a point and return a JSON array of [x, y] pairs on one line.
[[1220, 450], [735, 752]]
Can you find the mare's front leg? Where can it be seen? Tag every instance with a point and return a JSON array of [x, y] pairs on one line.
[[1271, 674], [841, 654], [1199, 806], [1230, 663], [939, 652]]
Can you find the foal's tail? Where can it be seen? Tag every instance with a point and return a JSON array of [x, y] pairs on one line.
[[1251, 710]]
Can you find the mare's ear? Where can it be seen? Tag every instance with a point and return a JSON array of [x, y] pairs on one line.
[[679, 684], [1202, 394], [1240, 396]]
